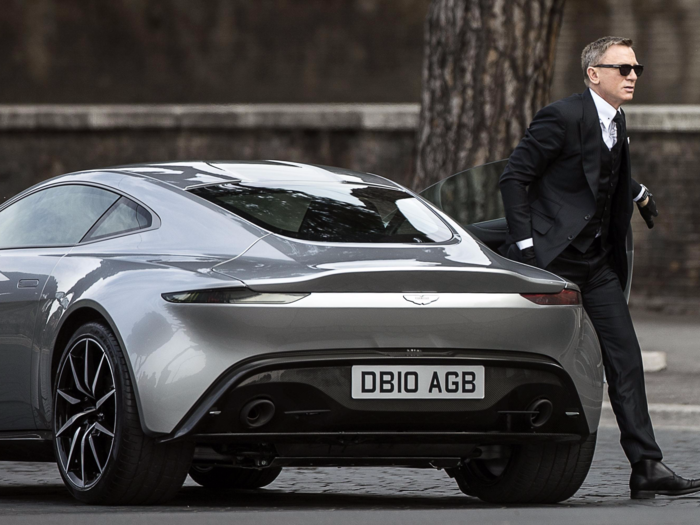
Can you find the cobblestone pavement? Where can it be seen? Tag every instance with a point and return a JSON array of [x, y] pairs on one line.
[[36, 489]]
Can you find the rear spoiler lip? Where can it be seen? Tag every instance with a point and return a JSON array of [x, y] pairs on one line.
[[395, 279]]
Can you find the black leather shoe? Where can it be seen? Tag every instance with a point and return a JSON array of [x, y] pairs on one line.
[[651, 477]]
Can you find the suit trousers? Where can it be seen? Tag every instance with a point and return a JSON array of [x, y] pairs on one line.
[[605, 304]]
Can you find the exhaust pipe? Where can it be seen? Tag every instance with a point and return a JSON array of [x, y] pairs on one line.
[[542, 410], [257, 413]]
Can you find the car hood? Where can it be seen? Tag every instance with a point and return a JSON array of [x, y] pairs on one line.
[[280, 264]]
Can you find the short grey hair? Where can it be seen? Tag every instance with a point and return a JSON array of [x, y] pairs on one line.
[[594, 51]]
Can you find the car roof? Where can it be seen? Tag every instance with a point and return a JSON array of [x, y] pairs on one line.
[[190, 174]]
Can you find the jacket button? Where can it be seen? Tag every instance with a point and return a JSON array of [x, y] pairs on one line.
[[570, 237], [587, 217]]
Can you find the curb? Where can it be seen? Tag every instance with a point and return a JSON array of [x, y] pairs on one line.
[[654, 361], [663, 415]]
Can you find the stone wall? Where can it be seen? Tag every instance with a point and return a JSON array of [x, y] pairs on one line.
[[37, 142], [210, 51], [667, 263], [667, 42], [249, 51]]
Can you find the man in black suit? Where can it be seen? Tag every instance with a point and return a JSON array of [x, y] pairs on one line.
[[568, 196]]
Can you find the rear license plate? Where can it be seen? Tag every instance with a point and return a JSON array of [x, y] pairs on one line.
[[418, 382]]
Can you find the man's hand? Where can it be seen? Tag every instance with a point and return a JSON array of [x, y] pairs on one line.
[[527, 256], [648, 209]]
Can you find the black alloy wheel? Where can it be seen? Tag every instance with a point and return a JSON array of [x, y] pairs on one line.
[[86, 412], [102, 452]]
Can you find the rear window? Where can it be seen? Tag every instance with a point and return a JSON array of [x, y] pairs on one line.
[[331, 212]]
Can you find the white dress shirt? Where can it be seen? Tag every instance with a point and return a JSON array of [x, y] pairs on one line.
[[606, 114]]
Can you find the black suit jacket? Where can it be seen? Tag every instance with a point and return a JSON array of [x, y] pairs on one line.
[[551, 181]]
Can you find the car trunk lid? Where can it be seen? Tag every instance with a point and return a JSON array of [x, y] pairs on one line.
[[279, 264]]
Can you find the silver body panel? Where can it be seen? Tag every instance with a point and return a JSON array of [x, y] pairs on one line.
[[356, 301], [25, 273]]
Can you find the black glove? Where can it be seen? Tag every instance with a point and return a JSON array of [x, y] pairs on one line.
[[648, 211], [527, 256]]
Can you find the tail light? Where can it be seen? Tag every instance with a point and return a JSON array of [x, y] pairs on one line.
[[563, 298], [232, 296]]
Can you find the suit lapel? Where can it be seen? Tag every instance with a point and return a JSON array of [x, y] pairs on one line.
[[625, 146], [624, 185], [591, 136]]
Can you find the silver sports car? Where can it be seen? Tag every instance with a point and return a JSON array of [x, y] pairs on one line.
[[230, 319]]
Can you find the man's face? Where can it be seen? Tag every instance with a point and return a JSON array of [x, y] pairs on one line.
[[608, 82]]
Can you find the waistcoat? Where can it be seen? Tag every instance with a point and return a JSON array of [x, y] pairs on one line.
[[599, 224]]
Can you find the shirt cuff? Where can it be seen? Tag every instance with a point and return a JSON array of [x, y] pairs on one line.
[[644, 188], [525, 243]]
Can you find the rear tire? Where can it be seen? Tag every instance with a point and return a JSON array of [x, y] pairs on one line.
[[232, 477], [103, 455], [534, 473]]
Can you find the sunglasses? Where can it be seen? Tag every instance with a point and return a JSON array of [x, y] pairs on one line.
[[625, 69]]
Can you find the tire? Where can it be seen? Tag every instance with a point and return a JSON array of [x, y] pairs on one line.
[[232, 477], [534, 473], [103, 455]]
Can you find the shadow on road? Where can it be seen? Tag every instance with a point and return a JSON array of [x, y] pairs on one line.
[[190, 498], [55, 499]]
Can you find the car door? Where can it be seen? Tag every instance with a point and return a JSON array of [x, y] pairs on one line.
[[463, 197], [24, 274], [36, 230]]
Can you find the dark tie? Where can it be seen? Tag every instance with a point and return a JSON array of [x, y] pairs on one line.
[[620, 125]]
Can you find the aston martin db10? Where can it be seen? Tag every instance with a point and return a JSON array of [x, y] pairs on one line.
[[231, 319]]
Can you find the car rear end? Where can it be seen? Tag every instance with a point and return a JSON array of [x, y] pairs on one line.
[[352, 337]]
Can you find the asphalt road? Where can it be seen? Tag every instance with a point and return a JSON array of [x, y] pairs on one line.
[[34, 493], [679, 338]]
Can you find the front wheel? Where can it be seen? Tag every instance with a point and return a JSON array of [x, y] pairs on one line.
[[103, 455], [532, 473]]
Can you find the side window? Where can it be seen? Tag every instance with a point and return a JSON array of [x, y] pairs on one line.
[[123, 217], [57, 216]]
